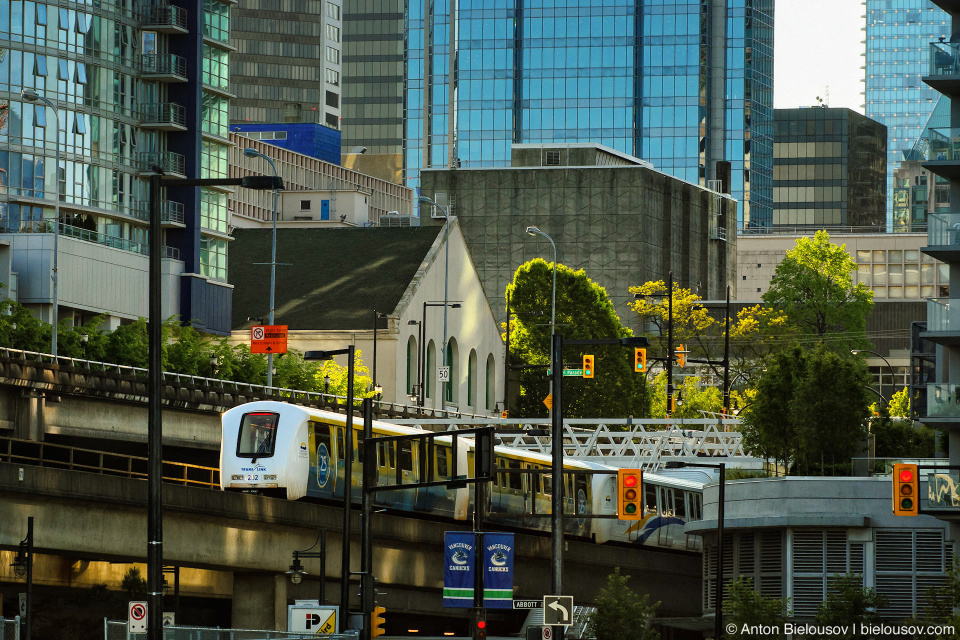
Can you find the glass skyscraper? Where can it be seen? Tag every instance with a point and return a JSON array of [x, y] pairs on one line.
[[684, 84], [899, 33]]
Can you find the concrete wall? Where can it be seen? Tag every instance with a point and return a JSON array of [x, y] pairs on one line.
[[623, 225]]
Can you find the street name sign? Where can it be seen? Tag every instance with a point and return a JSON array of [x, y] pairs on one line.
[[557, 610], [527, 604], [573, 372]]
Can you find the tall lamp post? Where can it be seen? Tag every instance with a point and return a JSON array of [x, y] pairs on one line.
[[534, 231], [446, 271], [377, 316], [32, 96], [423, 323], [347, 475], [893, 375], [253, 153]]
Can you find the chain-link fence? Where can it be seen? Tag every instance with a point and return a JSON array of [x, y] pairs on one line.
[[116, 630], [10, 628]]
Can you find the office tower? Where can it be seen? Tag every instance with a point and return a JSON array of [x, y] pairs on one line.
[[287, 62], [133, 87], [684, 84], [899, 33], [829, 170]]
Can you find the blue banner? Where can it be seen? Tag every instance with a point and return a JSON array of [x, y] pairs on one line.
[[498, 570], [459, 559]]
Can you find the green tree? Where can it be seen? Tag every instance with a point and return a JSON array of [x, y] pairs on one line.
[[583, 311], [901, 439], [849, 604], [127, 344], [813, 287], [810, 409], [899, 406], [620, 613], [745, 607], [942, 606]]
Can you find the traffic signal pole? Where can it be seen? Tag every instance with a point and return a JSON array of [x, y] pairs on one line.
[[556, 364], [367, 595]]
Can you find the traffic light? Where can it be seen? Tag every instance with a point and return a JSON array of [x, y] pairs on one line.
[[629, 494], [906, 490], [640, 360], [481, 632], [587, 366], [681, 356], [377, 622]]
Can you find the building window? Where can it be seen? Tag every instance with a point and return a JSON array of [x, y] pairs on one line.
[[333, 55], [333, 33], [216, 20], [333, 100], [40, 66], [214, 212], [213, 258], [411, 365], [333, 77], [304, 205], [332, 121], [333, 10], [552, 158], [213, 160], [215, 117], [216, 67]]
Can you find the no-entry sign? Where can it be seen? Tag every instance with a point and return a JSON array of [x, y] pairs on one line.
[[270, 338]]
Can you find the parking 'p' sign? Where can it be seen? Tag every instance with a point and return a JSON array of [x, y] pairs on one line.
[[137, 617]]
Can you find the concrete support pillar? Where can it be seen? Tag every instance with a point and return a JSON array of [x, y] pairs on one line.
[[29, 423], [259, 601]]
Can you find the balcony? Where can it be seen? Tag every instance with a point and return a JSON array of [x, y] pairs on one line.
[[168, 161], [943, 321], [943, 236], [163, 116], [944, 68], [165, 19], [939, 151], [171, 213], [943, 403], [165, 67]]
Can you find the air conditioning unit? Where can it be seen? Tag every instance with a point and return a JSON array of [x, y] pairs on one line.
[[394, 219]]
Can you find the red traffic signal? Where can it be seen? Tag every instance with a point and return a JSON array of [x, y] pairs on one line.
[[481, 630], [906, 490], [629, 494]]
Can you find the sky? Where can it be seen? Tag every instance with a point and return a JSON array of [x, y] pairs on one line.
[[817, 45]]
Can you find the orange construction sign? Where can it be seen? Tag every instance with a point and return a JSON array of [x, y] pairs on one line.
[[268, 339]]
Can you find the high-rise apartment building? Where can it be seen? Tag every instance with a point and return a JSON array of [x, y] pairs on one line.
[[133, 86], [829, 169], [287, 65], [684, 84], [898, 37]]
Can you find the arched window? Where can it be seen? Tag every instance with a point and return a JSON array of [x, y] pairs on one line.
[[412, 356], [472, 379], [429, 373], [491, 389], [452, 388]]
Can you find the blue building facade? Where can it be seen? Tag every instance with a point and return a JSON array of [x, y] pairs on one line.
[[134, 86], [314, 140], [684, 84], [899, 33]]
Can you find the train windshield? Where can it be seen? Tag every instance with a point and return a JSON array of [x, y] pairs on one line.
[[258, 434]]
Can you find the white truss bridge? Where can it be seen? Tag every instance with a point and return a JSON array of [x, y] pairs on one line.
[[638, 444]]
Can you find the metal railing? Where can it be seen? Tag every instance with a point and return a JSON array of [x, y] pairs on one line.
[[943, 400], [165, 113], [164, 16], [10, 628], [328, 400], [58, 456], [809, 230], [170, 212], [943, 229], [116, 630], [169, 161], [944, 59], [165, 64], [86, 235], [939, 317]]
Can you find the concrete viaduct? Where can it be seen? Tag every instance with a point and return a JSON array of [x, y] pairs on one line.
[[238, 546]]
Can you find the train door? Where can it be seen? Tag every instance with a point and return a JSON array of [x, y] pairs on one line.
[[386, 463], [340, 454], [405, 468], [322, 460], [666, 512], [582, 502]]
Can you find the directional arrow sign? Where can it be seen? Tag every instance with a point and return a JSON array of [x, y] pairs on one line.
[[557, 610]]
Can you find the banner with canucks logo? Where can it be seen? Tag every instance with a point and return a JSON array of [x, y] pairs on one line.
[[459, 559], [498, 570]]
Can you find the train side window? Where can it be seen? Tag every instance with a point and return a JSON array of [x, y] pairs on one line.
[[359, 444], [258, 434], [696, 506], [321, 436], [548, 484], [650, 498], [406, 456], [666, 501], [515, 480], [341, 450], [441, 470], [535, 482], [680, 508]]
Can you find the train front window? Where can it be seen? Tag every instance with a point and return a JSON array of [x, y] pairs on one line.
[[258, 435]]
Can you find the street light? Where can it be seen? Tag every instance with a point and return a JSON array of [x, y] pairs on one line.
[[534, 231], [376, 321], [253, 153], [31, 95], [893, 375], [446, 269], [296, 570], [350, 352]]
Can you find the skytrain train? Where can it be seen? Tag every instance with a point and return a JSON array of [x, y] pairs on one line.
[[295, 452]]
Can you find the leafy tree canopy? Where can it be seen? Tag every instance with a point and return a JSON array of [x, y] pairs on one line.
[[849, 604], [810, 409], [620, 613], [583, 311], [813, 287], [745, 607]]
